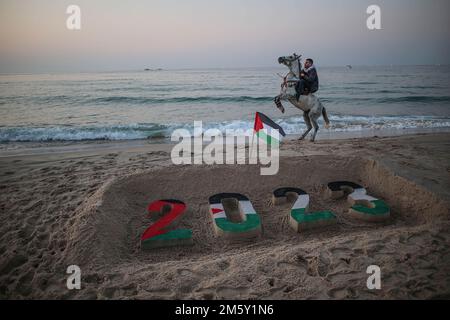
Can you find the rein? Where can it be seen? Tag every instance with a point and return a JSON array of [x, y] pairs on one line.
[[286, 83]]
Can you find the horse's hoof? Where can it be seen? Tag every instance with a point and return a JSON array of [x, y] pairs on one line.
[[327, 126]]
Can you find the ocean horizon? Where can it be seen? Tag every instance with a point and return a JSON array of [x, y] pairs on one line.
[[161, 68]]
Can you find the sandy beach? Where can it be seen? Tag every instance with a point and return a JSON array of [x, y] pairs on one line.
[[85, 204]]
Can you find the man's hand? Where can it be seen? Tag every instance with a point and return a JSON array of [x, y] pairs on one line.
[[302, 75]]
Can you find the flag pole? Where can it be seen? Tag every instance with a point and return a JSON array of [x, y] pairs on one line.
[[253, 138], [251, 147]]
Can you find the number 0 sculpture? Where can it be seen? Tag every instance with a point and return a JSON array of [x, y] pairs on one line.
[[234, 216]]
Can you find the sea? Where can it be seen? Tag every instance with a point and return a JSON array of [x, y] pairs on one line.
[[130, 105]]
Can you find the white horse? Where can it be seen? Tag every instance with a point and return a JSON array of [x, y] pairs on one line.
[[310, 105]]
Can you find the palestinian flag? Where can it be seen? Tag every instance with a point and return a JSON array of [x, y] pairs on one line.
[[267, 130]]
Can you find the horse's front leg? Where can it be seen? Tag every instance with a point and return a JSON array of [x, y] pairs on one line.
[[308, 124], [277, 101]]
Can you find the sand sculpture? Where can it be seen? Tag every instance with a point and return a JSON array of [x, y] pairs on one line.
[[299, 217], [234, 217], [363, 206]]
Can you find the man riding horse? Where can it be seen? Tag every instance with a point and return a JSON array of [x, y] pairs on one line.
[[298, 87], [309, 81]]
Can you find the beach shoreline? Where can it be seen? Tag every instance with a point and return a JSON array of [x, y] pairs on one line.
[[54, 202], [8, 149]]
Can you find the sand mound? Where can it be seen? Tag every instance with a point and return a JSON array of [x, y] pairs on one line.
[[110, 223]]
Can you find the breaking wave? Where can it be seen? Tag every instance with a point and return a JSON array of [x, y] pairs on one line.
[[137, 131]]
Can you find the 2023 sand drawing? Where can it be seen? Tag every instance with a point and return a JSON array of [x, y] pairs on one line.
[[234, 217]]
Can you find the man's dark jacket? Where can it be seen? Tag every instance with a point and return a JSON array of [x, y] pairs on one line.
[[311, 78]]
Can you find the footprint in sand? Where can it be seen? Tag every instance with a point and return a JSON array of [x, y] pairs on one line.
[[232, 293], [424, 293], [318, 266], [341, 293], [340, 251], [342, 275], [292, 267], [206, 294], [223, 265], [13, 263], [185, 273]]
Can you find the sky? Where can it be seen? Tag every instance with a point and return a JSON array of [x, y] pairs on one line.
[[131, 35]]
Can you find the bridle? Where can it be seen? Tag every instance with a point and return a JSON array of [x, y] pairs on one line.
[[295, 58]]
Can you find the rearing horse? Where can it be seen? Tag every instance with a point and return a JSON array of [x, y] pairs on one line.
[[310, 105]]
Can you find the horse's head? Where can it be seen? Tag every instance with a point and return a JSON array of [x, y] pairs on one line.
[[292, 62], [289, 60]]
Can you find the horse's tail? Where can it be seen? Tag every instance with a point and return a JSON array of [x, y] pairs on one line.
[[325, 117]]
